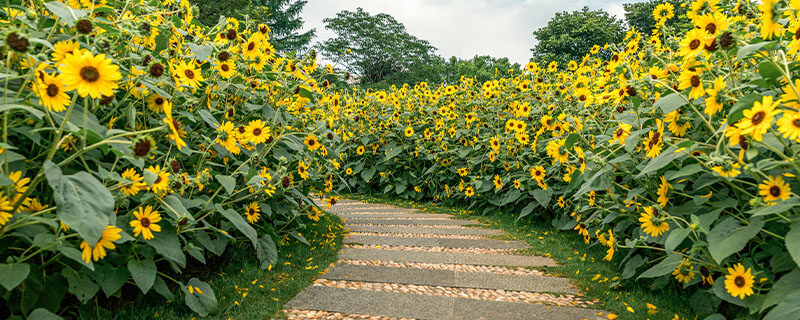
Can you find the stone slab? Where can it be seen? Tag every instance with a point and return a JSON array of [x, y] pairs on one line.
[[498, 310], [448, 278], [434, 242], [422, 230], [445, 257], [388, 304], [414, 222], [360, 216]]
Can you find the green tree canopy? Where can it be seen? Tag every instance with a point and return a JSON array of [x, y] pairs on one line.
[[381, 50], [482, 68], [570, 35], [639, 15]]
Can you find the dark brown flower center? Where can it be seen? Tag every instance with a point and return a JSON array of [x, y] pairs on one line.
[[159, 101], [694, 44], [225, 67], [189, 73], [711, 28], [52, 90], [758, 118], [251, 46], [775, 191], [90, 74], [145, 222], [695, 81], [141, 148], [739, 281], [620, 132], [157, 180], [257, 132], [312, 142], [796, 123]]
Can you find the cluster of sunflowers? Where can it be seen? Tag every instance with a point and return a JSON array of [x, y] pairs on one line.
[[678, 154], [133, 136]]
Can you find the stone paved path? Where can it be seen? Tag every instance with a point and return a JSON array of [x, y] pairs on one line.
[[401, 263]]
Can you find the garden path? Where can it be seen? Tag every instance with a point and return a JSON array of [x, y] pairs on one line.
[[401, 263]]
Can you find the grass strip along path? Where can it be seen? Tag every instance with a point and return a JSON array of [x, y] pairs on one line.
[[405, 263], [391, 255]]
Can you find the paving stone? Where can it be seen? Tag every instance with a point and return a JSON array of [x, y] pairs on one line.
[[445, 257], [424, 222], [448, 278], [422, 230], [390, 304], [394, 215], [496, 310], [434, 242]]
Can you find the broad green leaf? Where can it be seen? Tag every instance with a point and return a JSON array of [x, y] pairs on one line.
[[65, 13], [11, 275], [779, 207], [670, 102], [168, 245], [267, 252], [788, 308], [783, 287], [36, 113], [43, 314], [664, 267], [768, 70], [80, 285], [749, 49], [84, 203], [631, 265], [543, 196], [238, 221], [685, 171], [571, 140], [208, 118], [200, 52], [143, 273], [393, 151], [368, 173], [527, 210], [111, 278], [161, 287], [675, 238], [793, 242], [729, 237], [662, 160], [202, 301], [75, 255], [228, 182]]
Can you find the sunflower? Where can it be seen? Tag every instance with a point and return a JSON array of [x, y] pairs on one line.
[[91, 75], [226, 136], [622, 133], [498, 183], [6, 206], [738, 281], [611, 244], [253, 212], [713, 105], [774, 188], [728, 170], [684, 272], [556, 149], [302, 170], [661, 13], [161, 184], [348, 171], [360, 150], [175, 130], [145, 222], [226, 69], [538, 173], [770, 27], [694, 42], [469, 192], [494, 143], [251, 48], [409, 131], [136, 182], [714, 24], [312, 143], [691, 79], [187, 74], [654, 142], [758, 119], [652, 223], [256, 132], [63, 48], [156, 103], [98, 251], [789, 97], [674, 123], [20, 182], [51, 92], [789, 125], [663, 190]]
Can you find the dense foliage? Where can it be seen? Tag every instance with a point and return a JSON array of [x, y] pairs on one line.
[[678, 153], [136, 143], [570, 35]]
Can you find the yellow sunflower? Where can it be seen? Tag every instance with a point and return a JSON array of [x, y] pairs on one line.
[[622, 133], [187, 74], [136, 182], [63, 48], [174, 126], [770, 27], [161, 184], [409, 131], [145, 222], [691, 79], [256, 132], [654, 142], [774, 188], [156, 103], [226, 69], [91, 75], [6, 206], [302, 170], [789, 125], [312, 143], [758, 119], [739, 282], [252, 212], [694, 43], [226, 136], [652, 223], [52, 93], [98, 251]]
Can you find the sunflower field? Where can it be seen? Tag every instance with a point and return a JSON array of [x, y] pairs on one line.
[[137, 143]]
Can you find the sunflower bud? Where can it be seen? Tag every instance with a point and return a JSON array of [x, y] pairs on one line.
[[156, 70], [84, 26], [17, 42]]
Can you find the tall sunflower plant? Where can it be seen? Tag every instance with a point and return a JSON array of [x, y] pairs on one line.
[[677, 155], [137, 143]]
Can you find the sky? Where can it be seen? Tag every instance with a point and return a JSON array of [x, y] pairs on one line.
[[463, 28]]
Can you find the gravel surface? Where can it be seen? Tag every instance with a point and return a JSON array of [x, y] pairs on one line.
[[297, 314], [450, 267], [429, 249], [418, 235]]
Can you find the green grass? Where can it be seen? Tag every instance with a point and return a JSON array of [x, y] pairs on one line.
[[577, 260], [266, 291]]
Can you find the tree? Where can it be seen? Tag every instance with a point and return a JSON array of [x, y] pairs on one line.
[[377, 48], [639, 15], [571, 35], [283, 18], [482, 68], [209, 11]]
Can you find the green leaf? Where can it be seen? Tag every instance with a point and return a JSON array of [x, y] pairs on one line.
[[161, 287], [84, 203], [65, 13], [267, 252], [543, 196], [788, 308], [208, 118], [80, 285], [238, 221], [630, 267], [783, 287], [664, 267], [143, 273], [670, 102], [728, 237], [393, 151], [662, 160], [111, 278], [675, 238], [749, 49], [779, 207], [228, 182], [571, 140], [11, 275], [793, 242], [36, 113], [768, 70], [200, 52], [75, 254], [527, 210], [685, 171], [168, 245], [43, 314], [204, 303], [368, 173]]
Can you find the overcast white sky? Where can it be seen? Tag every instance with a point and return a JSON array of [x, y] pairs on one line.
[[463, 28]]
